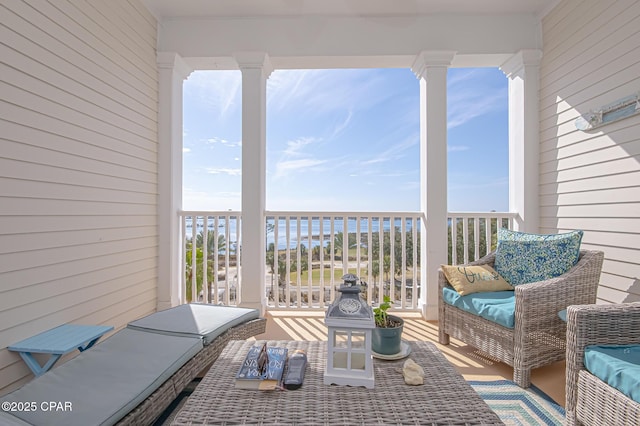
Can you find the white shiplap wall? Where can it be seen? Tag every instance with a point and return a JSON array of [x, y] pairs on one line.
[[78, 168], [591, 180]]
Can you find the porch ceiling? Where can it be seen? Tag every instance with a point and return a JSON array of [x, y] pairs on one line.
[[263, 8]]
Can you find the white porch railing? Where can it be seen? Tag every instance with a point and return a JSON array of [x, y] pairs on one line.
[[307, 253], [219, 256], [316, 249]]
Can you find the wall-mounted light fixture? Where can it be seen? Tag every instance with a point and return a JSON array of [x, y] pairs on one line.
[[622, 108]]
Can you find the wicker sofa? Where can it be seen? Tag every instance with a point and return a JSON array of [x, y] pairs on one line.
[[589, 400], [134, 375], [538, 337]]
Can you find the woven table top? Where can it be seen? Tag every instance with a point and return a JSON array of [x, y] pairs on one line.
[[444, 399]]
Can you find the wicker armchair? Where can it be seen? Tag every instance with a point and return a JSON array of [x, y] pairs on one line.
[[538, 337], [589, 400]]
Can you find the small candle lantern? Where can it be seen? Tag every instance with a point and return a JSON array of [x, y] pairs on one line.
[[349, 320]]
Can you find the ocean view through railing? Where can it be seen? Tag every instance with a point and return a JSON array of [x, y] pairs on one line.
[[307, 253]]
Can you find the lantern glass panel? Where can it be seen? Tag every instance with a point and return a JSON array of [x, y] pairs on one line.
[[357, 361], [340, 339], [340, 360], [357, 340]]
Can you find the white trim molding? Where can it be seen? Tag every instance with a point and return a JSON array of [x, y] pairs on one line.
[[172, 71], [523, 72], [431, 68], [256, 68]]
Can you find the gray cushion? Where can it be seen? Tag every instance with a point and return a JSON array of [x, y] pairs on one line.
[[106, 382], [206, 321]]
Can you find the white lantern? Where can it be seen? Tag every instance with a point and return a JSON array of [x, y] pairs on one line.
[[349, 320]]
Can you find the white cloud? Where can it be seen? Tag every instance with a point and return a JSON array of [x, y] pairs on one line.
[[283, 168], [470, 96], [341, 126], [224, 170], [394, 151], [185, 149], [220, 91], [323, 91], [217, 140], [295, 147], [457, 148]]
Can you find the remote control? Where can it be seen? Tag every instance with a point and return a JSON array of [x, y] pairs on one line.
[[297, 364]]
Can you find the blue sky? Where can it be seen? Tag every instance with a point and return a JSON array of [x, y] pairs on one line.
[[346, 140]]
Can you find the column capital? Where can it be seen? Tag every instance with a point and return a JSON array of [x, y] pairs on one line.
[[254, 60], [173, 61], [431, 58], [517, 63]]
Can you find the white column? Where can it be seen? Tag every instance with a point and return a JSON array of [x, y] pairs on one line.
[[256, 68], [522, 69], [431, 68], [172, 71]]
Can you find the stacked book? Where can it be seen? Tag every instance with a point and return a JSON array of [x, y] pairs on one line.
[[262, 369]]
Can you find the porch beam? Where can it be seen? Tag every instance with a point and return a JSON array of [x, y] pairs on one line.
[[431, 68], [172, 71], [255, 68], [523, 72]]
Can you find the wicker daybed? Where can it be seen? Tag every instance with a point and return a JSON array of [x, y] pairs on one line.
[[134, 375], [538, 337], [152, 407]]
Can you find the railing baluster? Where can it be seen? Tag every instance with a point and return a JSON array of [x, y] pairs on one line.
[[381, 259], [403, 242], [227, 260], [321, 291], [183, 261], [392, 260], [414, 274], [370, 259], [454, 240], [476, 238], [298, 265], [345, 245], [238, 258], [357, 273], [194, 255], [487, 236], [332, 258], [288, 263], [309, 262], [205, 259]]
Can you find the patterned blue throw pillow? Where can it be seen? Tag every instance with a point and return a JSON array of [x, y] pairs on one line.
[[525, 258]]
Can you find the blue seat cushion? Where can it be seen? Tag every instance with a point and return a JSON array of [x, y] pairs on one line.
[[616, 365], [106, 382], [496, 306], [196, 320], [526, 258]]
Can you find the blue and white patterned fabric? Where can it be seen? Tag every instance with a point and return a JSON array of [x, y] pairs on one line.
[[525, 258]]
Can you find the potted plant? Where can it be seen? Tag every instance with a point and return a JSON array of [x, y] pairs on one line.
[[386, 338]]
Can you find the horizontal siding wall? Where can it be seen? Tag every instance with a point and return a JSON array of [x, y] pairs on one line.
[[591, 180], [78, 168]]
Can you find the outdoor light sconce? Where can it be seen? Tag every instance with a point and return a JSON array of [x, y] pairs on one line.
[[622, 108], [349, 320]]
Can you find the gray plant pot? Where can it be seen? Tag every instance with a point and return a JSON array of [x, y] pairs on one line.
[[387, 341]]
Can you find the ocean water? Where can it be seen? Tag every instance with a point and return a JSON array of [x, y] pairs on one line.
[[306, 228]]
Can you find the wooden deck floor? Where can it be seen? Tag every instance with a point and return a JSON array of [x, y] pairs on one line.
[[472, 364]]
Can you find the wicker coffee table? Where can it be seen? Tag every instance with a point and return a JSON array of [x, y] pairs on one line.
[[444, 399]]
